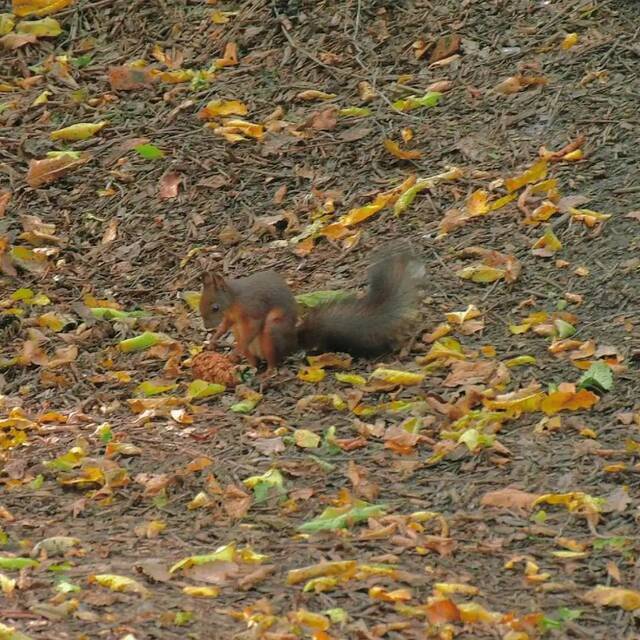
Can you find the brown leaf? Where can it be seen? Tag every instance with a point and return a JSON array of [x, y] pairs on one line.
[[468, 373], [442, 611], [445, 47], [509, 498], [403, 154], [355, 133], [42, 172], [129, 78], [251, 579], [324, 120], [111, 232], [5, 197], [634, 215], [280, 193], [236, 501], [169, 184], [16, 40]]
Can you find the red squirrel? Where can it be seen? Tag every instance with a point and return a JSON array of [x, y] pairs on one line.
[[262, 313]]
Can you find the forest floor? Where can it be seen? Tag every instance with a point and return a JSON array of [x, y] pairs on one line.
[[491, 494]]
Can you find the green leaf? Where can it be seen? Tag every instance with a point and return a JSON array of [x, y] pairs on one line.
[[203, 389], [599, 377], [564, 329], [82, 61], [144, 341], [333, 518], [149, 151], [16, 564], [563, 615], [9, 633], [149, 388], [104, 313], [316, 298], [429, 99], [266, 484]]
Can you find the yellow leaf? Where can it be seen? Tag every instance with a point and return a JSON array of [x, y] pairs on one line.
[[230, 56], [394, 149], [79, 131], [481, 273], [312, 94], [351, 378], [501, 202], [24, 8], [6, 24], [570, 40], [477, 203], [393, 376], [219, 17], [614, 597], [360, 214], [201, 592], [570, 400], [397, 595], [311, 374], [574, 501], [52, 321], [450, 588], [199, 501], [47, 27], [118, 583], [574, 155], [471, 613], [535, 173], [548, 244], [524, 401], [342, 568], [43, 98], [306, 439], [459, 317], [217, 108]]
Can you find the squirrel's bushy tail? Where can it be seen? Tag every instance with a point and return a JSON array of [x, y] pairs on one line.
[[373, 324]]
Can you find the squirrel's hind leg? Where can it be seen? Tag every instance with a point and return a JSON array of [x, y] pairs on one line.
[[277, 340]]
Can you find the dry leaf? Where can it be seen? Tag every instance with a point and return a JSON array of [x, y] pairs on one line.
[[129, 79], [16, 40], [445, 48], [111, 232], [169, 184], [509, 498], [42, 172], [394, 149], [5, 197], [614, 597], [324, 120]]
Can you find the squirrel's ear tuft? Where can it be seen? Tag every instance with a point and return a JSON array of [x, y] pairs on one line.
[[208, 278]]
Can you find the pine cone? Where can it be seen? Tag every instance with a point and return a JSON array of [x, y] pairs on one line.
[[215, 367]]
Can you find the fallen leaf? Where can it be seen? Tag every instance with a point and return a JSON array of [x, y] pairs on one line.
[[42, 172], [509, 498], [614, 597], [169, 184], [14, 40], [445, 47], [129, 78], [324, 120], [394, 149], [24, 8]]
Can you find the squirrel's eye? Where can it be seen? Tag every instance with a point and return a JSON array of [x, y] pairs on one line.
[[215, 307]]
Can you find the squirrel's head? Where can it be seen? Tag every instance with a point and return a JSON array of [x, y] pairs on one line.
[[214, 299]]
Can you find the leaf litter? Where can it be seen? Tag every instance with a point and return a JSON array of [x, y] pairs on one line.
[[475, 484]]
